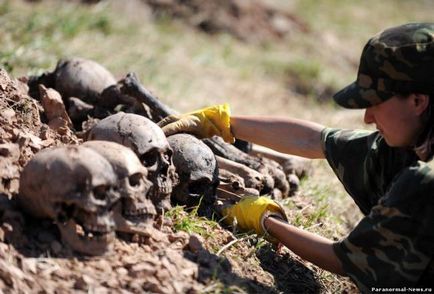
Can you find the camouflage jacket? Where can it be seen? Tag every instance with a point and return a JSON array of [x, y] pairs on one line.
[[393, 244]]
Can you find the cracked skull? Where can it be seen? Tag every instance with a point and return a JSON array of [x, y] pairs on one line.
[[76, 187], [197, 170], [149, 143], [135, 208]]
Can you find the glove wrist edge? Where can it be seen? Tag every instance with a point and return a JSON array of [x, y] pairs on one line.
[[266, 215]]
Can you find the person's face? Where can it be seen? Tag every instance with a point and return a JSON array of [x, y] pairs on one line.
[[398, 119]]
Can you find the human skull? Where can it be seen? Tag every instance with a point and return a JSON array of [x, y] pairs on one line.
[[197, 170], [136, 209], [82, 78], [149, 143], [75, 187]]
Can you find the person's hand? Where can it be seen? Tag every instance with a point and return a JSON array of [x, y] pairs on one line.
[[204, 123], [250, 213]]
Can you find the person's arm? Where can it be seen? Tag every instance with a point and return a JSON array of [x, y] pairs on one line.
[[292, 136], [311, 247]]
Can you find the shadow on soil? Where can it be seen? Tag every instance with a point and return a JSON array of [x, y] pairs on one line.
[[290, 276], [35, 238]]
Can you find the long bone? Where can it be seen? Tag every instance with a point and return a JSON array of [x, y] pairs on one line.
[[131, 86], [232, 184], [294, 167], [291, 164], [272, 176], [251, 178]]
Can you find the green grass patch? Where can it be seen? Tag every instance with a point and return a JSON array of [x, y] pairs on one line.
[[190, 221]]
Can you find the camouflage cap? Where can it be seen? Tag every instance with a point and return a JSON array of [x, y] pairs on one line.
[[398, 60]]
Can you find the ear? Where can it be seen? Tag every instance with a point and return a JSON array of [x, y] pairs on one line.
[[420, 102]]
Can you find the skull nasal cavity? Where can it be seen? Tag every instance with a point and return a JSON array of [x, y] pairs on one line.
[[100, 192], [135, 179]]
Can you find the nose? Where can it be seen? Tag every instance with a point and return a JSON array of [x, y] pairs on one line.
[[369, 117]]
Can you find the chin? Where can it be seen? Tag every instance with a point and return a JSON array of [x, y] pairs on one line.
[[396, 144], [400, 142], [391, 143]]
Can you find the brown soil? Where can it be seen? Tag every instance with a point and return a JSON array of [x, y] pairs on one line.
[[252, 21]]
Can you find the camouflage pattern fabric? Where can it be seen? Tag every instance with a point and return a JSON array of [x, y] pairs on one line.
[[399, 60], [393, 244]]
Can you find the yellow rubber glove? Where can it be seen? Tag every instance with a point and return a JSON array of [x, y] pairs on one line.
[[204, 123], [251, 211]]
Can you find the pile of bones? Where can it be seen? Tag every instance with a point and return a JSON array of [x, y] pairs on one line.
[[123, 172]]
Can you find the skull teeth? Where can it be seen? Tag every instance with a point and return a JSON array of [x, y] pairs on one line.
[[162, 191], [138, 216], [163, 186], [92, 232], [136, 212]]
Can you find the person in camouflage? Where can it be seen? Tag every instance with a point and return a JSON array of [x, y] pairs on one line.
[[389, 172]]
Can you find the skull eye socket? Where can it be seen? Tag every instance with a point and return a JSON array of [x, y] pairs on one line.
[[149, 158], [135, 179], [198, 187], [100, 192]]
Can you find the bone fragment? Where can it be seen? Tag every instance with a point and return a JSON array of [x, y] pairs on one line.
[[78, 110], [231, 189], [131, 86], [233, 183], [230, 152], [291, 164], [279, 177], [54, 109], [252, 178]]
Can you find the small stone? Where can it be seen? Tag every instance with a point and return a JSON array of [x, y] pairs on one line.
[[121, 271], [29, 264], [9, 115], [83, 283], [103, 265], [195, 243], [179, 236], [2, 235], [53, 105], [111, 283], [142, 268]]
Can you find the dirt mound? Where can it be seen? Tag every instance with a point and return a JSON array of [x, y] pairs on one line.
[[22, 133], [252, 21], [32, 257]]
